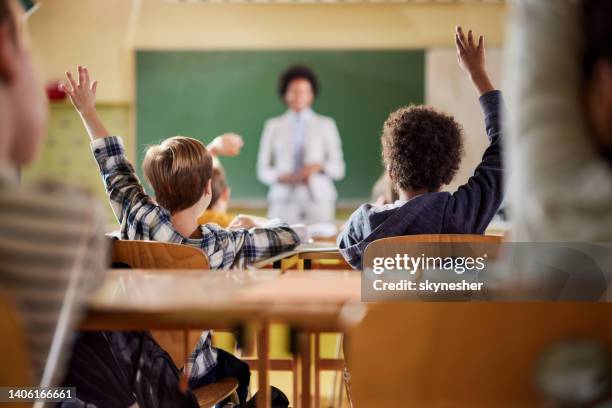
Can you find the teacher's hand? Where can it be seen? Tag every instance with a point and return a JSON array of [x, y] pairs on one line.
[[308, 171], [291, 178]]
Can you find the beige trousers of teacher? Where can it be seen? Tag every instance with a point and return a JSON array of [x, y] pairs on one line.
[[301, 208]]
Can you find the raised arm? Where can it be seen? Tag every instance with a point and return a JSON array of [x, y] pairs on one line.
[[82, 94], [472, 60], [227, 144], [474, 204], [122, 184]]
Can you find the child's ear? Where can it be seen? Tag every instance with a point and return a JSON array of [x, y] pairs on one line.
[[389, 174], [208, 189], [227, 194]]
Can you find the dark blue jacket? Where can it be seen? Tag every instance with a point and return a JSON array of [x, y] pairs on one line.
[[466, 211]]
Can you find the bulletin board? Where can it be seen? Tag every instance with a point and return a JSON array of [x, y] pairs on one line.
[[66, 156]]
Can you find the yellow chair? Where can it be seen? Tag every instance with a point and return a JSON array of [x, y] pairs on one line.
[[462, 354], [162, 255]]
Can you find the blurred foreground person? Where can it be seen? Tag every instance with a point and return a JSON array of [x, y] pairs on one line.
[[51, 238], [560, 120]]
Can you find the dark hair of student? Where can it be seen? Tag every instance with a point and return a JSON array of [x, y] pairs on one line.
[[297, 72], [597, 29], [421, 148]]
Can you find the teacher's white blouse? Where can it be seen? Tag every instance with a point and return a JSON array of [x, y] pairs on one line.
[[321, 145]]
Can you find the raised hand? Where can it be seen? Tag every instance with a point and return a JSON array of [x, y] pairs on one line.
[[82, 93], [471, 58], [227, 144]]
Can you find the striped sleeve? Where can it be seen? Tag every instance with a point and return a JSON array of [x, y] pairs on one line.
[[48, 241]]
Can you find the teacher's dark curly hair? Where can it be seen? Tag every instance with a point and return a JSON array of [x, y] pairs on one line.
[[297, 72]]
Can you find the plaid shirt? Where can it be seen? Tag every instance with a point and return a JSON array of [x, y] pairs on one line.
[[142, 219]]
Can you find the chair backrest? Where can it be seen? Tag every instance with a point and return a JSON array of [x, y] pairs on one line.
[[157, 255], [389, 247], [438, 238], [13, 352], [476, 355]]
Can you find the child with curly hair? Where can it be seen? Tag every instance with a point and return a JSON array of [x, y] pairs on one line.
[[422, 150]]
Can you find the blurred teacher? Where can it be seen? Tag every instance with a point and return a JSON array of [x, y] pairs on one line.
[[300, 155]]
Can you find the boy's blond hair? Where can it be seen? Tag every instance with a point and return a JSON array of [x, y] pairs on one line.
[[178, 169]]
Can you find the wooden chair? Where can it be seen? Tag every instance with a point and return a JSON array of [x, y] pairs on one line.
[[463, 355], [393, 242], [157, 255], [162, 255], [13, 353], [453, 244], [438, 238]]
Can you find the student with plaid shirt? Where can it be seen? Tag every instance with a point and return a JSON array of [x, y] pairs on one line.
[[143, 219], [180, 171]]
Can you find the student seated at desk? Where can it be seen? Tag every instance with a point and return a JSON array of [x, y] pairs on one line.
[[179, 170], [422, 150], [216, 213]]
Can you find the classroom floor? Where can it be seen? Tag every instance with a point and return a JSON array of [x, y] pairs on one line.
[[331, 381], [284, 381]]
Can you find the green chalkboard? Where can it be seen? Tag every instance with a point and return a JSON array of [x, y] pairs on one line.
[[205, 93]]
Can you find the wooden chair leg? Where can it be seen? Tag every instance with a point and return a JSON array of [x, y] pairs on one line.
[[263, 347], [317, 370], [305, 368], [337, 388], [296, 377]]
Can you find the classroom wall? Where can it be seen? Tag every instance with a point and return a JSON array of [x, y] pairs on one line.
[[65, 33], [103, 34]]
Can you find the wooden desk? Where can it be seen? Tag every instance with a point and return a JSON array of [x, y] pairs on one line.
[[296, 253], [310, 301], [308, 256]]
